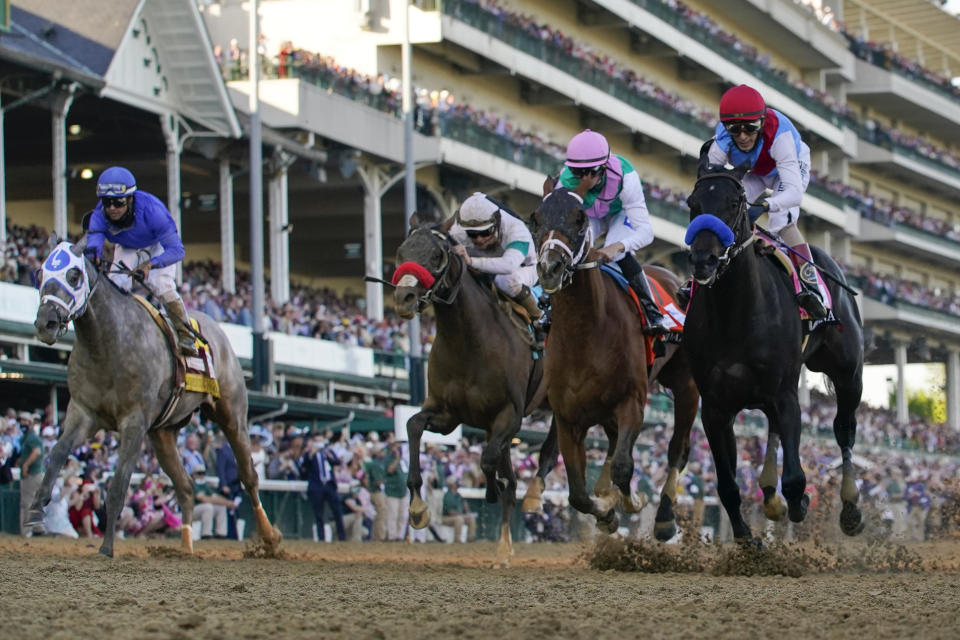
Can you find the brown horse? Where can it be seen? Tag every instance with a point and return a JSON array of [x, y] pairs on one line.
[[596, 367], [481, 371]]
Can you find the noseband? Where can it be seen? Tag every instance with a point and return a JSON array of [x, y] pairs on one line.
[[432, 292], [65, 311], [569, 258]]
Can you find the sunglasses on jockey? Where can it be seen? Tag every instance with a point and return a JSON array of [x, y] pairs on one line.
[[114, 202], [474, 234], [740, 126], [586, 172]]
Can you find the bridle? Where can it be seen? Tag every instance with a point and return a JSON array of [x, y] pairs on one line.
[[739, 223], [432, 294], [54, 270], [569, 258]]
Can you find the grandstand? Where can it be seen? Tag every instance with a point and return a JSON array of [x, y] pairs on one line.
[[501, 86]]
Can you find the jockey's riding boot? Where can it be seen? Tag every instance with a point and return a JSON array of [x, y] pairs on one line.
[[683, 294], [528, 301], [655, 324], [185, 338], [809, 297]]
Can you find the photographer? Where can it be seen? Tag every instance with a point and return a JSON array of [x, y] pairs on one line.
[[317, 468]]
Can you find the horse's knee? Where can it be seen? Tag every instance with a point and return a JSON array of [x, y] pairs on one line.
[[620, 472]]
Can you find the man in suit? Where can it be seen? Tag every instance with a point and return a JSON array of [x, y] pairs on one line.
[[316, 467]]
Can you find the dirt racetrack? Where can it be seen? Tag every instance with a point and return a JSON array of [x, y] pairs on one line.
[[56, 588]]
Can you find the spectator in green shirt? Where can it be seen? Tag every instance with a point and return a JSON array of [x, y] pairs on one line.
[[210, 508], [455, 513], [31, 467], [395, 488], [376, 477]]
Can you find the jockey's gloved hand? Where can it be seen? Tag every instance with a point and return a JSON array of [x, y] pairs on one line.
[[756, 210], [142, 271]]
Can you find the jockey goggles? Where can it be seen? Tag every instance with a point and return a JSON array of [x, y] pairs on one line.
[[480, 233], [116, 203], [586, 172], [736, 127]]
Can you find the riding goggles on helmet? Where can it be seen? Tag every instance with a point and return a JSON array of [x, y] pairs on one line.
[[735, 128]]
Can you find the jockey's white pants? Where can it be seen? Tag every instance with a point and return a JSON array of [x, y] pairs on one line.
[[512, 283], [755, 185], [163, 281]]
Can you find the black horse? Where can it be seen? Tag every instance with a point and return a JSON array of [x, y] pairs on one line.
[[481, 370], [745, 343]]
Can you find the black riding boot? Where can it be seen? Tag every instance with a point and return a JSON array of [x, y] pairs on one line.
[[185, 338], [528, 301], [683, 294], [638, 282]]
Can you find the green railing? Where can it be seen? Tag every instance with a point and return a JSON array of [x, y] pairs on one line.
[[820, 191], [772, 77], [896, 303], [582, 70], [670, 212], [468, 132]]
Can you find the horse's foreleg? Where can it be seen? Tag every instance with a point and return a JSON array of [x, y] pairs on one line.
[[508, 501], [419, 515], [685, 404], [549, 453], [233, 421], [165, 447], [845, 431], [630, 420], [575, 461], [131, 431], [604, 484], [793, 480], [718, 426], [76, 425], [773, 506]]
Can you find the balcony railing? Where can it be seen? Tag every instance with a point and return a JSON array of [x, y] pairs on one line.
[[892, 301], [468, 132], [517, 37]]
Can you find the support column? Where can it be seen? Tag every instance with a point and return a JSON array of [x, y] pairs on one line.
[[953, 389], [171, 135], [376, 183], [61, 106], [900, 359], [279, 227], [228, 275]]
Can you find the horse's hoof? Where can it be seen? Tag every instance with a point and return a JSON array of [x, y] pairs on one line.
[[633, 503], [609, 523], [851, 520], [106, 552], [750, 543], [419, 520], [774, 508], [532, 505], [797, 509], [664, 531], [34, 518]]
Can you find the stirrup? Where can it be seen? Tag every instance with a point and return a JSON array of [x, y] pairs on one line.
[[812, 304], [655, 328], [188, 349]]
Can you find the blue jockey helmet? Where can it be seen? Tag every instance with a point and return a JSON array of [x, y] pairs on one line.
[[116, 182]]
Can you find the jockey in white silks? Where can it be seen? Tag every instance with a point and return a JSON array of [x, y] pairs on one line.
[[146, 240], [617, 211], [779, 160], [485, 224]]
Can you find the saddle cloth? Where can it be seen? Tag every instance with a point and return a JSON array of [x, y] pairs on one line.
[[673, 316], [780, 256], [194, 374]]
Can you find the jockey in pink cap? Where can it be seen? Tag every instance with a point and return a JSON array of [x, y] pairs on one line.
[[617, 210]]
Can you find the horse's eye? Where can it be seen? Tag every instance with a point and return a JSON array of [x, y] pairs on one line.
[[74, 277]]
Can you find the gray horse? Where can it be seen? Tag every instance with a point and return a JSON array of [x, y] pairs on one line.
[[121, 375]]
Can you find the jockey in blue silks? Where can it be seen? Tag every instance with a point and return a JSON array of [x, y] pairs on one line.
[[779, 160], [146, 240], [617, 211]]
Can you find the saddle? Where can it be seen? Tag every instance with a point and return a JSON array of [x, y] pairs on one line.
[[765, 246], [520, 319], [190, 374], [673, 316]]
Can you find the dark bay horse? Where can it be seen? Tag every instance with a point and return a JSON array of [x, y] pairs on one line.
[[481, 371], [745, 341], [120, 376], [596, 367]]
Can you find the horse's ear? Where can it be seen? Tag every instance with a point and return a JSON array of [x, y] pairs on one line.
[[447, 224], [85, 221], [549, 183], [80, 246], [414, 220], [704, 161], [53, 240], [741, 169]]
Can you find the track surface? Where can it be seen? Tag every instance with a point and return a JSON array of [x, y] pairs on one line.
[[55, 588]]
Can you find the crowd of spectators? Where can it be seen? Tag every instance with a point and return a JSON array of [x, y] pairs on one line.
[[890, 289], [907, 471]]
